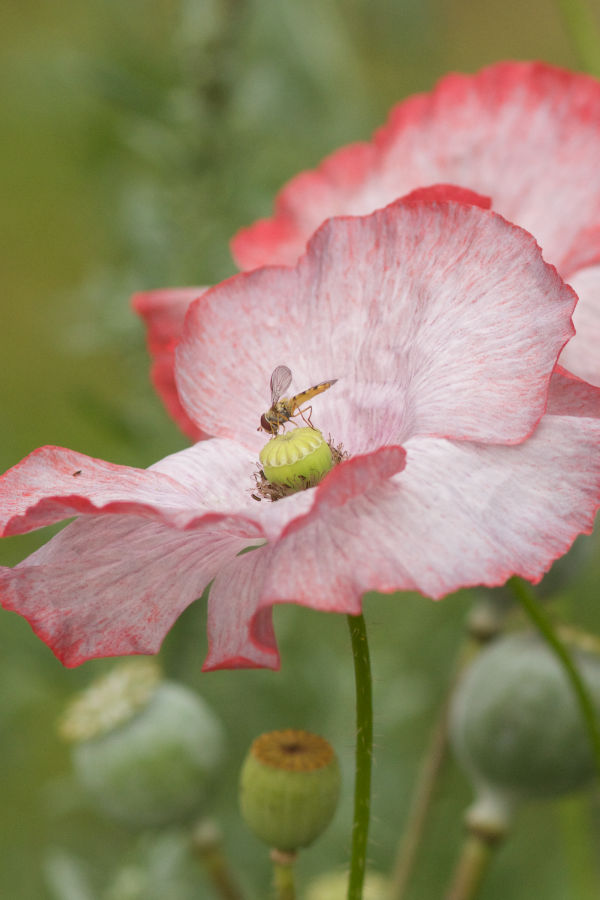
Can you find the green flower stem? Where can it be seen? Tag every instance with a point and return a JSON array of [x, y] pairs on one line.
[[477, 851], [364, 755], [283, 874], [208, 844], [526, 597], [584, 33]]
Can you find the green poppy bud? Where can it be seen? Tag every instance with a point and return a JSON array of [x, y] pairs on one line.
[[289, 788], [144, 749], [516, 726], [297, 459]]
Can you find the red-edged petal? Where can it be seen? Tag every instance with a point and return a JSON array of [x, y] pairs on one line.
[[582, 354], [240, 636], [115, 585], [442, 193], [418, 310], [570, 396], [163, 312], [526, 134], [213, 478], [281, 239], [240, 631], [459, 514]]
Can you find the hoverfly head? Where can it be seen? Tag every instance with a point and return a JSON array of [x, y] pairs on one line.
[[267, 426]]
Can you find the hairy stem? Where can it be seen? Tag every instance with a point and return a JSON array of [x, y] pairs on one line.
[[364, 755]]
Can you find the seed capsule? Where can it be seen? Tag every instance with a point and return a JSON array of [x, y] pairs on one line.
[[297, 458], [289, 788], [145, 750], [516, 726]]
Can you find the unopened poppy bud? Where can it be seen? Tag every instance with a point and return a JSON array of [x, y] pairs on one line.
[[289, 788], [144, 749], [334, 886], [516, 726], [298, 458]]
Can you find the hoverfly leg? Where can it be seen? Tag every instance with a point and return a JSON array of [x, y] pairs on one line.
[[307, 421]]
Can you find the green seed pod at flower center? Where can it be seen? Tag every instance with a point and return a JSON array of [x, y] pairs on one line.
[[298, 458], [289, 788]]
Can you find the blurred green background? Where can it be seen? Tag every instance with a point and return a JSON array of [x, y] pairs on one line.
[[138, 137]]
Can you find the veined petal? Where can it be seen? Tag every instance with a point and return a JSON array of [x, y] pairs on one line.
[[54, 483], [240, 635], [459, 514], [163, 312], [570, 396], [213, 478], [420, 305], [114, 585], [582, 354], [240, 630], [355, 477], [526, 134]]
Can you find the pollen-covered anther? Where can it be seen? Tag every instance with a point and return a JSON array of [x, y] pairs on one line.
[[294, 461]]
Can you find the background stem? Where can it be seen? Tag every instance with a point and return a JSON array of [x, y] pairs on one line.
[[208, 845], [424, 792], [364, 755], [584, 33], [283, 875], [524, 593], [472, 865], [484, 623]]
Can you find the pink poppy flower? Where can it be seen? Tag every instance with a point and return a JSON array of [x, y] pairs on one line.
[[470, 461], [527, 135]]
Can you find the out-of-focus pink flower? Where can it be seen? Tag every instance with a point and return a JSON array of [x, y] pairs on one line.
[[527, 135], [164, 313], [470, 460]]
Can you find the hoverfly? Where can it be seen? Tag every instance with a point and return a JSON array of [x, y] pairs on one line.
[[284, 408]]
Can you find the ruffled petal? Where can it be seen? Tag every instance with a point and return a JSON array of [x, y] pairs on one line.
[[526, 134], [240, 636], [213, 478], [115, 585], [458, 515], [417, 310], [582, 354], [163, 312], [240, 630]]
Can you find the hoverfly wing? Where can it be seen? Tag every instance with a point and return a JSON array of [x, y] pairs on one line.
[[280, 382]]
